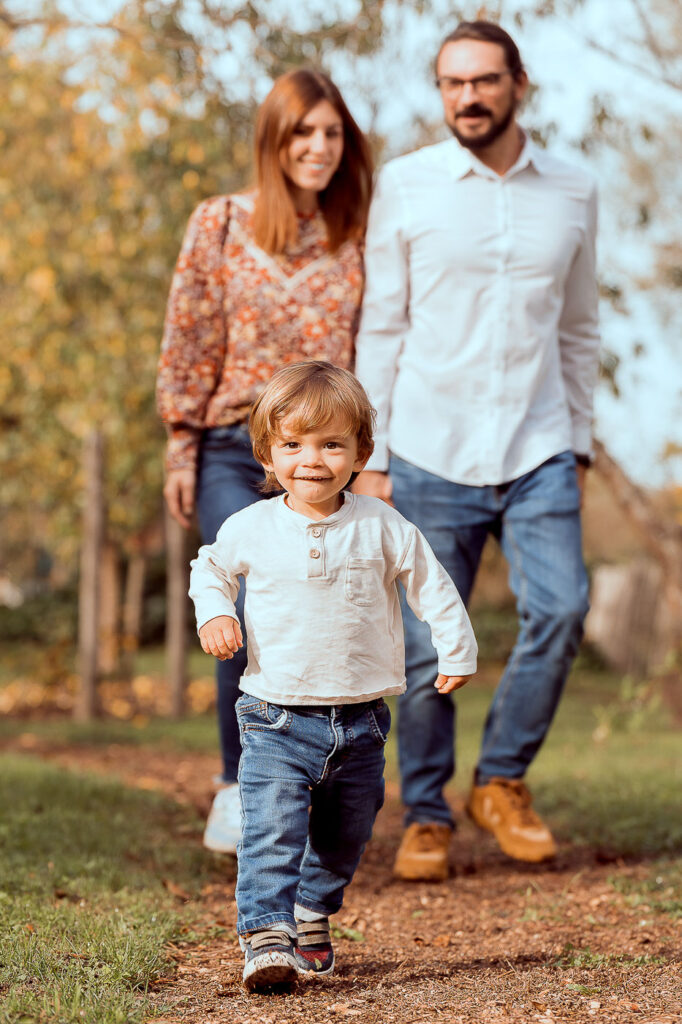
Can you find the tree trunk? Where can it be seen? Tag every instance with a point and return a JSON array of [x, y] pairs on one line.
[[89, 585], [176, 618], [132, 610], [109, 609], [661, 536]]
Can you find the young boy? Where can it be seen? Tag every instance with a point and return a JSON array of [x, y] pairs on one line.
[[325, 646]]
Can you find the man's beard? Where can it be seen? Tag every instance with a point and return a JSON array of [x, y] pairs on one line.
[[496, 128]]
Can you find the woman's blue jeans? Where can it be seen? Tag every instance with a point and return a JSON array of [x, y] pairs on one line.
[[228, 479], [536, 520], [311, 784]]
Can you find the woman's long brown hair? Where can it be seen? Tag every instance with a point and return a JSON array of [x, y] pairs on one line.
[[344, 203]]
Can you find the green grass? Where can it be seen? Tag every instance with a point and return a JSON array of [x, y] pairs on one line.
[[660, 892], [586, 959], [84, 915], [620, 791]]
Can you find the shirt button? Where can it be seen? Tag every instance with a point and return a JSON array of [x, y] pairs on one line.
[[314, 553], [316, 532]]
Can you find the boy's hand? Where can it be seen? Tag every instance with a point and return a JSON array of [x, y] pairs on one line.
[[221, 637], [446, 684]]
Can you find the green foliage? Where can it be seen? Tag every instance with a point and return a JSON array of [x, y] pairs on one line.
[[101, 174]]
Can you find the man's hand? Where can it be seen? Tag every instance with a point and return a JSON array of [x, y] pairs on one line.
[[179, 493], [376, 485], [446, 684], [221, 637]]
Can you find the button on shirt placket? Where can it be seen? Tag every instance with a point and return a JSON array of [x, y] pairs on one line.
[[316, 553]]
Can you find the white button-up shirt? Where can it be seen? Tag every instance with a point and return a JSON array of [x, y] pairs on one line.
[[321, 611], [479, 337]]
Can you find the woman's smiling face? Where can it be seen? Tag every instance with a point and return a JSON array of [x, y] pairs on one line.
[[315, 149]]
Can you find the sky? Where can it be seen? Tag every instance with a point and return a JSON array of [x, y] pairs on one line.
[[392, 93]]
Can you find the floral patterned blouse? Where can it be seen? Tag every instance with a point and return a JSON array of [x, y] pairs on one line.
[[236, 314]]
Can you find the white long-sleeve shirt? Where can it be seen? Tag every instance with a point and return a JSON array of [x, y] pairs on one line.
[[322, 612], [479, 337]]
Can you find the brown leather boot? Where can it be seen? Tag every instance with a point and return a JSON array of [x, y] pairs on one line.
[[503, 807], [423, 853]]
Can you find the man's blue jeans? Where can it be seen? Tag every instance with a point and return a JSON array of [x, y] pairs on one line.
[[311, 784], [228, 480], [536, 520]]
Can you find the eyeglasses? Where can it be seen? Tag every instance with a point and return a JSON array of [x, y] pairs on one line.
[[483, 84]]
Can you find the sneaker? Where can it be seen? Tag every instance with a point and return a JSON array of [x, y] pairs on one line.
[[423, 853], [314, 953], [503, 807], [224, 826], [269, 959]]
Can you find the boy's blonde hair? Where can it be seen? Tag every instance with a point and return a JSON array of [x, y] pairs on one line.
[[311, 395]]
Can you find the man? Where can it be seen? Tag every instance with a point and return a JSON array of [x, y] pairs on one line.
[[479, 349]]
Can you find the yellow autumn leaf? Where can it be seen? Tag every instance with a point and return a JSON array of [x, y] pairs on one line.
[[190, 180], [42, 281], [195, 153]]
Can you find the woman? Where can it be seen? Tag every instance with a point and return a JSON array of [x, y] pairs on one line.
[[264, 278]]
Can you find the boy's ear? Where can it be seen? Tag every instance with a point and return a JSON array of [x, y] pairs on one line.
[[361, 462]]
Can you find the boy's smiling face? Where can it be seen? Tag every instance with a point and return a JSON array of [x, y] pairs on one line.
[[314, 467]]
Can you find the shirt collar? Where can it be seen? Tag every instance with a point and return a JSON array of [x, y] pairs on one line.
[[303, 523], [462, 161]]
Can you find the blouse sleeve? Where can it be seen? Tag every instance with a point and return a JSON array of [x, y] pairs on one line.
[[194, 337]]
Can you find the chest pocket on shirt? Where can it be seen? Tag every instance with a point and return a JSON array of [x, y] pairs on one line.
[[364, 580]]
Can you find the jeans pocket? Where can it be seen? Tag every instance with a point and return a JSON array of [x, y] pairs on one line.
[[364, 580], [261, 716], [380, 721], [218, 439]]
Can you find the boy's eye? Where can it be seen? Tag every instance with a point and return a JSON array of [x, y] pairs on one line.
[[333, 444]]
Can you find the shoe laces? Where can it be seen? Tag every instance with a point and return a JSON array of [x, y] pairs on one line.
[[519, 799], [428, 837]]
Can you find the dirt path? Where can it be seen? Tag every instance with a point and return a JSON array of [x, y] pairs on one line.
[[497, 943]]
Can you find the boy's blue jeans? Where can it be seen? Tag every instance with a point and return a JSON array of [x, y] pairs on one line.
[[536, 520], [228, 480], [311, 785]]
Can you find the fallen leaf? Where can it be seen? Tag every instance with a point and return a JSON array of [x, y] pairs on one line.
[[176, 890]]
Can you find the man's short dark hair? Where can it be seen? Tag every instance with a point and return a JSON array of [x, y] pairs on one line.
[[487, 32]]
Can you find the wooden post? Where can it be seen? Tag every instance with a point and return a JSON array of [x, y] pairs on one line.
[[109, 609], [176, 614], [132, 610], [89, 585]]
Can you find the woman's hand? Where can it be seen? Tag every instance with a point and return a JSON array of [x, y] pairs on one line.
[[221, 637], [179, 492]]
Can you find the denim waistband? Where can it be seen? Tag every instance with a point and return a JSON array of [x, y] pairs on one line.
[[326, 709]]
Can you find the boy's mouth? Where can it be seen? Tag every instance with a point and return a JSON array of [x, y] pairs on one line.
[[316, 479]]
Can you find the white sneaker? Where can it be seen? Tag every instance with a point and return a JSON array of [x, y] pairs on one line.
[[224, 826]]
